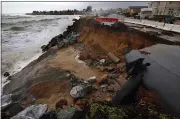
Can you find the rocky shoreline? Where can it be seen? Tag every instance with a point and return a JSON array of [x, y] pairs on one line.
[[53, 75]]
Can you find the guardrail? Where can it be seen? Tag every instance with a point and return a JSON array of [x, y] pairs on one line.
[[159, 25]]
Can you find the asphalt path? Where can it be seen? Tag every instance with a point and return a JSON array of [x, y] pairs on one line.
[[163, 75]]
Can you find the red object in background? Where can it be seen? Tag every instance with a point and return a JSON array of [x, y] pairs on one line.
[[107, 19], [177, 22]]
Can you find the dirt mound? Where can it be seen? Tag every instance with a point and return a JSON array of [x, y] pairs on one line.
[[47, 88], [118, 43], [50, 92]]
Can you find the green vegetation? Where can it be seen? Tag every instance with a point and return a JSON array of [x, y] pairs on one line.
[[106, 112], [142, 110]]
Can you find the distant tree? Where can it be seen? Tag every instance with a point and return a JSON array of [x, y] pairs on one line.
[[89, 9], [34, 12], [55, 12], [51, 12], [63, 12], [75, 10], [44, 12]]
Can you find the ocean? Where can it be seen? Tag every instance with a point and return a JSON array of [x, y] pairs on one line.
[[23, 36]]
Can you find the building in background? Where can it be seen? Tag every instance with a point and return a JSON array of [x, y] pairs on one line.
[[146, 13], [136, 9], [171, 8]]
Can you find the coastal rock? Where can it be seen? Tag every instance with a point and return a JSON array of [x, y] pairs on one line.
[[32, 112], [77, 91], [81, 90], [66, 113], [6, 100], [11, 110], [6, 74], [74, 19], [44, 48]]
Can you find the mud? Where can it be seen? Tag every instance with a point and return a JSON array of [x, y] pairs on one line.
[[50, 92], [66, 59]]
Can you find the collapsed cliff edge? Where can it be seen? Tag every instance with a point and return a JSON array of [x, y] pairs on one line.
[[90, 51]]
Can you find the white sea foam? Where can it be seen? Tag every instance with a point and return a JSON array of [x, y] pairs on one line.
[[20, 47]]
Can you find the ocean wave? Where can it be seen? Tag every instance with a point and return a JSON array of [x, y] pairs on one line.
[[15, 28], [18, 17], [29, 21]]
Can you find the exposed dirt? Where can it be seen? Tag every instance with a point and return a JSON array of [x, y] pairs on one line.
[[46, 78], [115, 42], [98, 42], [66, 59], [50, 92]]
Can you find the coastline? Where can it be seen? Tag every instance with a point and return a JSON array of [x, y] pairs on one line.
[[22, 59], [51, 70]]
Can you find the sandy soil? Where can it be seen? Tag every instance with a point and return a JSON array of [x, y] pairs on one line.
[[66, 59]]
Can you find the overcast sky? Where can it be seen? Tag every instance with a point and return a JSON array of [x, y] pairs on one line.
[[28, 7]]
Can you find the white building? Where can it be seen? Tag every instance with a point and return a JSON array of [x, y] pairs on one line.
[[165, 8], [146, 13]]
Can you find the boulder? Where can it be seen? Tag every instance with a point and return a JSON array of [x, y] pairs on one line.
[[49, 115], [44, 48], [81, 90], [74, 20], [60, 44], [77, 91], [66, 42], [66, 113], [6, 74], [11, 110], [5, 100], [32, 112]]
